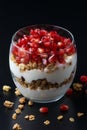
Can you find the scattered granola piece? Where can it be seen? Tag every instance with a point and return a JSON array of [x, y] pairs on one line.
[[17, 93], [71, 119], [14, 116], [31, 117], [60, 117], [18, 111], [6, 88], [77, 86], [8, 104], [79, 114], [30, 103], [17, 127], [27, 117], [47, 122], [22, 100], [21, 106]]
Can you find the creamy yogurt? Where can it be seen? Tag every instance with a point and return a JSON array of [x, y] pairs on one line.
[[63, 72]]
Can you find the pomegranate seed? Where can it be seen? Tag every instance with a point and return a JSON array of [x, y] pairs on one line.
[[23, 41], [53, 33], [45, 39], [64, 107], [19, 43], [25, 59], [26, 38], [70, 50], [83, 79], [31, 32], [40, 50], [21, 52], [43, 32], [60, 45], [30, 37], [36, 58], [43, 109], [31, 50], [61, 52], [18, 60], [37, 31], [56, 38], [35, 40], [44, 55], [60, 56], [47, 50], [46, 44], [52, 58], [67, 41], [69, 92], [61, 60], [53, 46], [15, 50]]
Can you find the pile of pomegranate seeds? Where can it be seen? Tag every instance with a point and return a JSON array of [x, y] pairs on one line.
[[42, 46]]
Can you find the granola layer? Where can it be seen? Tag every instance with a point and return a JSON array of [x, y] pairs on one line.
[[42, 84]]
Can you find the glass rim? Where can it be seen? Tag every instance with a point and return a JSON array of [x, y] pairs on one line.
[[43, 25]]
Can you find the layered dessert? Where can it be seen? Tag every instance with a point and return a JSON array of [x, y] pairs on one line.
[[43, 62]]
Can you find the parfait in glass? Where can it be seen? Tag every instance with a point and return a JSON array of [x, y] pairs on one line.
[[43, 61]]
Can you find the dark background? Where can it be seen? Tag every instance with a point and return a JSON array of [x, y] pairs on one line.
[[69, 14]]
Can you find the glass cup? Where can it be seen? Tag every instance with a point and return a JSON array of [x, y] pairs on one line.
[[43, 61]]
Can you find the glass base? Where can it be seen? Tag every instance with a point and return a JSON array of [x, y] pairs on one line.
[[48, 101]]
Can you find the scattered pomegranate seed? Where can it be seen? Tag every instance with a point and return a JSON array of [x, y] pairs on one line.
[[83, 79], [43, 109], [69, 92], [64, 107]]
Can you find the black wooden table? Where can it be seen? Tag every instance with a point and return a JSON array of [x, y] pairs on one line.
[[11, 19]]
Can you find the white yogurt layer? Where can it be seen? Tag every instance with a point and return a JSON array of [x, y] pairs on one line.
[[63, 72], [43, 96]]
